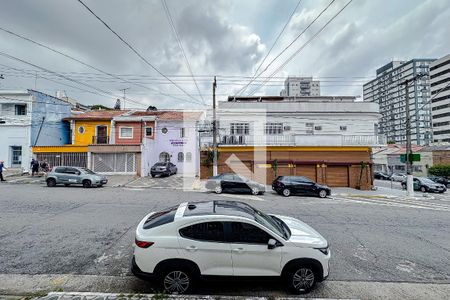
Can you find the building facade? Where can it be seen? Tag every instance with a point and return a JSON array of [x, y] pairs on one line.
[[440, 103], [386, 90], [30, 118], [323, 139], [300, 87]]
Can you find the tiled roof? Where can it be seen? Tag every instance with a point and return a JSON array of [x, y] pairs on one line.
[[97, 115], [179, 116]]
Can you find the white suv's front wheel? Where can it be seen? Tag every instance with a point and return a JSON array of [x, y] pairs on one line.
[[176, 281], [301, 279]]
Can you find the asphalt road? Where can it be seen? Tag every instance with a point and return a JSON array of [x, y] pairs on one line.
[[90, 231]]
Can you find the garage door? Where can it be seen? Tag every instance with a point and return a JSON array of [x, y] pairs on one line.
[[307, 171], [114, 162], [337, 176]]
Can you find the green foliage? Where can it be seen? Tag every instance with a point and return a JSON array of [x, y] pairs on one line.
[[440, 170], [275, 167], [209, 159], [99, 106], [391, 142]]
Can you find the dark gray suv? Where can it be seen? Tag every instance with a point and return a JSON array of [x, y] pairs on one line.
[[74, 175]]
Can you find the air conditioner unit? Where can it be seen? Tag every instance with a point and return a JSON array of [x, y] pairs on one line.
[[287, 128]]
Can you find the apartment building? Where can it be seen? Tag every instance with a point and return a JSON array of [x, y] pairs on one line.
[[387, 91], [325, 139], [440, 103], [30, 118], [300, 86]]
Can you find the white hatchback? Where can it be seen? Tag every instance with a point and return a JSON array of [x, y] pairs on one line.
[[179, 245]]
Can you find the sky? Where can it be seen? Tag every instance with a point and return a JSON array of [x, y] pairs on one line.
[[224, 38]]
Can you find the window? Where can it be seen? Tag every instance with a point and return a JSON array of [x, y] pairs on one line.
[[81, 129], [248, 234], [309, 124], [182, 132], [59, 170], [274, 128], [209, 231], [317, 127], [72, 171], [164, 157], [188, 156], [240, 128], [161, 218], [126, 132], [343, 128], [180, 157], [148, 131], [20, 109], [164, 130]]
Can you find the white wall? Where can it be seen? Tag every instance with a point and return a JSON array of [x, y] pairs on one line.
[[15, 136]]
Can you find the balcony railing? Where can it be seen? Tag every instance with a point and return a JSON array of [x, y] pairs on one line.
[[100, 140], [304, 140]]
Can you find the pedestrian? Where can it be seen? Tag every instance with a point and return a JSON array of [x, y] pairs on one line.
[[44, 166], [34, 167], [2, 166]]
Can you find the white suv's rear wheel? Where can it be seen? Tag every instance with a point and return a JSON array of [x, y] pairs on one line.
[[177, 281], [301, 280], [255, 190], [218, 189]]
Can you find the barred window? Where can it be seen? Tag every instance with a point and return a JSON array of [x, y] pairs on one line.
[[240, 128], [274, 128]]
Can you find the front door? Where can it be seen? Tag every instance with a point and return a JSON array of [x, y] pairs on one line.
[[204, 243], [16, 156], [102, 134], [250, 253]]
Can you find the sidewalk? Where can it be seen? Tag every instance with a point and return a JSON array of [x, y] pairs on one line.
[[67, 287]]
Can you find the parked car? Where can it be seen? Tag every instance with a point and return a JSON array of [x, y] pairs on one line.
[[381, 176], [299, 185], [163, 169], [177, 246], [424, 184], [439, 179], [74, 175], [398, 177], [229, 182]]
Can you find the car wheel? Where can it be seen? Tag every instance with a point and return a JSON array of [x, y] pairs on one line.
[[177, 281], [423, 189], [286, 192], [255, 190], [218, 189], [301, 280], [322, 194], [86, 183], [153, 175], [51, 182]]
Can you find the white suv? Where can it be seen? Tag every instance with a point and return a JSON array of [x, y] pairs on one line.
[[227, 238]]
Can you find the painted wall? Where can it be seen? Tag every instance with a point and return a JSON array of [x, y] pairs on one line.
[[138, 132], [90, 130], [47, 126]]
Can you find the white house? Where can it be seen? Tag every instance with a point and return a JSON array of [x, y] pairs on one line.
[[30, 118]]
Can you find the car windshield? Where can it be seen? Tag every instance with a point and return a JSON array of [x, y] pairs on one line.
[[426, 180], [87, 171], [160, 164], [271, 224]]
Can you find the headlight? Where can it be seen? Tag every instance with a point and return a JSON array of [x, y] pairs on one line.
[[325, 250]]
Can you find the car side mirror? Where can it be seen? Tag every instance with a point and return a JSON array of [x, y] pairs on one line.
[[271, 244]]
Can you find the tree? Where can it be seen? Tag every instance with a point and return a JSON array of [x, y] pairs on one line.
[[152, 108], [440, 170], [99, 106], [117, 106]]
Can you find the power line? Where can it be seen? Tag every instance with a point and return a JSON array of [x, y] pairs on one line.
[[82, 62], [273, 45], [180, 44], [291, 43], [303, 46], [135, 51]]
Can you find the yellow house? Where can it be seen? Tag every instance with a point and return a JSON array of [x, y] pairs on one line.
[[93, 127]]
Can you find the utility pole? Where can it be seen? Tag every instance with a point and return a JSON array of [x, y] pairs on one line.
[[214, 129], [409, 163], [124, 96]]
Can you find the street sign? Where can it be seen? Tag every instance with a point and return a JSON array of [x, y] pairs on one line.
[[413, 157]]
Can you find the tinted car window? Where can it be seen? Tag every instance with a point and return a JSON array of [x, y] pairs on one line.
[[227, 177], [161, 218], [208, 231], [59, 170], [161, 164], [248, 234], [71, 171], [285, 179]]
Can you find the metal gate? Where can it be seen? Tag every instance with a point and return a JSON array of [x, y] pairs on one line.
[[76, 159], [114, 162]]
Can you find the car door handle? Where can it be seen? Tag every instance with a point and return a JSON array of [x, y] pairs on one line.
[[191, 248], [238, 250]]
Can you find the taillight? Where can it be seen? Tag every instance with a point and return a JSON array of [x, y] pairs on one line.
[[142, 244]]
